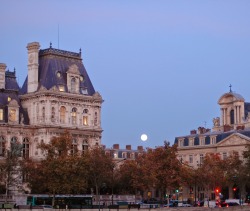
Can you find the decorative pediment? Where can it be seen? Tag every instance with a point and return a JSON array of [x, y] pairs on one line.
[[13, 103], [235, 139], [73, 69], [42, 88]]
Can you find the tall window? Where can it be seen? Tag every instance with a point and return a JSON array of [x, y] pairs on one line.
[[74, 147], [224, 156], [201, 158], [62, 114], [73, 85], [43, 113], [73, 115], [25, 148], [95, 119], [232, 117], [53, 113], [1, 114], [15, 146], [12, 115], [191, 160], [84, 146], [85, 117], [2, 146]]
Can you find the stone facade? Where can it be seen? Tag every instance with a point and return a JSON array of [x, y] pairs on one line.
[[56, 96], [231, 132]]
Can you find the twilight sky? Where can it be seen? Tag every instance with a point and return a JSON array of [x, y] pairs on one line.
[[160, 65]]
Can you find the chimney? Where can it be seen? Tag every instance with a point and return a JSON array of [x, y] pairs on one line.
[[128, 147], [2, 75], [140, 148], [115, 146], [193, 132], [33, 54]]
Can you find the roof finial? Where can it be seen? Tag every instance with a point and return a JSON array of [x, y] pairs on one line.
[[80, 51], [230, 86], [50, 45]]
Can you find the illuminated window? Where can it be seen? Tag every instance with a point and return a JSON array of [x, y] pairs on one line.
[[9, 99], [25, 148], [201, 158], [2, 146], [85, 120], [1, 114], [61, 88], [12, 115], [73, 114], [62, 114]]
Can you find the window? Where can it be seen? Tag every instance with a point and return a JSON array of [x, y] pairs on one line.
[[181, 142], [73, 115], [1, 114], [15, 147], [85, 120], [84, 91], [224, 156], [124, 155], [43, 113], [191, 142], [2, 146], [191, 159], [95, 120], [61, 88], [12, 115], [201, 159], [73, 85], [202, 140], [84, 146], [25, 148], [53, 114], [62, 114], [213, 140], [132, 155], [232, 117], [74, 147]]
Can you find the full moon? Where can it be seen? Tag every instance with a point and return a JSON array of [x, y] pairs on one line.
[[144, 137]]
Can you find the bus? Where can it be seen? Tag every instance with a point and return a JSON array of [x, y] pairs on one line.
[[61, 201]]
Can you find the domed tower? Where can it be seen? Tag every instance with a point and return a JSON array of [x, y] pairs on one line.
[[233, 113]]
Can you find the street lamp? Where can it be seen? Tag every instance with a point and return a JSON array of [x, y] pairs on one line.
[[112, 187]]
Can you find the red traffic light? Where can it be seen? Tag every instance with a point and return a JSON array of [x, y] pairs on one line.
[[217, 190], [234, 189]]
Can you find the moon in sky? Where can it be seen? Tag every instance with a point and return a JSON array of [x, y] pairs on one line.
[[144, 137]]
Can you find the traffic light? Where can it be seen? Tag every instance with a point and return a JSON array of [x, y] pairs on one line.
[[177, 191], [217, 190], [234, 189]]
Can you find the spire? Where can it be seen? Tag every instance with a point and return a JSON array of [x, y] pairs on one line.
[[230, 86]]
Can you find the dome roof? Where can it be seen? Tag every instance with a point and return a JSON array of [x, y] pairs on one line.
[[230, 97]]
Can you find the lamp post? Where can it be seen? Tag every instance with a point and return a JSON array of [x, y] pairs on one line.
[[112, 187]]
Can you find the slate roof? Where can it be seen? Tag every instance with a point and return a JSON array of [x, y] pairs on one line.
[[219, 136], [52, 61]]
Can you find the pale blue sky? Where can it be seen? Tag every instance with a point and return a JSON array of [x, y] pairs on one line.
[[160, 65]]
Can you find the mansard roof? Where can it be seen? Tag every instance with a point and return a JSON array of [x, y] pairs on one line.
[[220, 136], [53, 62]]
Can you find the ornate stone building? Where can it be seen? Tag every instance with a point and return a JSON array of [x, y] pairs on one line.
[[57, 95], [230, 132]]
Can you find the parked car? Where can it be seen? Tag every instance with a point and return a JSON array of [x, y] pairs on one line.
[[45, 206], [232, 204]]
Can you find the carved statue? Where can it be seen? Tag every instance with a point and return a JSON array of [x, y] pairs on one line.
[[216, 121]]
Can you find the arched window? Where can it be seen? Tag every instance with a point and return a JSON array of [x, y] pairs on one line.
[[73, 115], [15, 147], [25, 148], [232, 117], [1, 114], [62, 114], [73, 85], [2, 146]]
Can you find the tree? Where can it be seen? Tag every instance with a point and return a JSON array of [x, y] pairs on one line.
[[10, 169], [63, 171], [99, 168]]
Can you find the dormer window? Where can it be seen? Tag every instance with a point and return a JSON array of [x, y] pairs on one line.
[[81, 78], [58, 74], [61, 88], [84, 91], [73, 85], [9, 99], [12, 115], [1, 114]]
